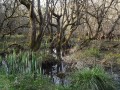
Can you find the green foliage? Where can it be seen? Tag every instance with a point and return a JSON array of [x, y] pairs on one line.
[[94, 79], [92, 52], [25, 74], [59, 87], [112, 56], [0, 59], [2, 68], [5, 83], [24, 62], [87, 53], [87, 79], [27, 82]]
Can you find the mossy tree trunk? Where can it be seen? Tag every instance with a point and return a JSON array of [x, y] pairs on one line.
[[35, 40]]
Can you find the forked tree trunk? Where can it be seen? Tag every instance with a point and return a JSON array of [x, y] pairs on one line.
[[35, 40]]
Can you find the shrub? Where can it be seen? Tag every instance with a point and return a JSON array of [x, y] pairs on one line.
[[94, 79]]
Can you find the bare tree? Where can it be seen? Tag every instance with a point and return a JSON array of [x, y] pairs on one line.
[[61, 18], [9, 23]]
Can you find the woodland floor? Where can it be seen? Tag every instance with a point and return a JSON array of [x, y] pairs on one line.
[[102, 53]]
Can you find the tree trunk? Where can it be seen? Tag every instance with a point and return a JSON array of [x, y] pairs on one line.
[[33, 26]]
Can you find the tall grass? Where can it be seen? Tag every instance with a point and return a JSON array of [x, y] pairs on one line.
[[24, 62], [26, 71], [94, 79]]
